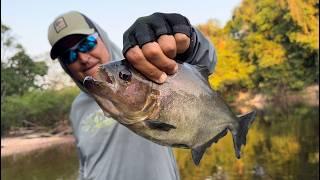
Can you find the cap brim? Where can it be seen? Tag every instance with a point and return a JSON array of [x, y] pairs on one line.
[[54, 53]]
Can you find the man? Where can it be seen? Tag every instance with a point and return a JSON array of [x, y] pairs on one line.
[[108, 150]]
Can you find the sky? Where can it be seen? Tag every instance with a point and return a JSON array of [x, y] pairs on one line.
[[30, 19]]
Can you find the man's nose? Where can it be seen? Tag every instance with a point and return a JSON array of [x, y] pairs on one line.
[[83, 57]]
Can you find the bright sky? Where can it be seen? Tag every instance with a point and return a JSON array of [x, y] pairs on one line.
[[29, 19]]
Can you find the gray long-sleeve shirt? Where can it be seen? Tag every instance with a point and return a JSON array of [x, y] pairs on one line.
[[108, 150]]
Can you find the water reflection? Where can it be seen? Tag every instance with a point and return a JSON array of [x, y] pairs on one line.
[[280, 145], [58, 163]]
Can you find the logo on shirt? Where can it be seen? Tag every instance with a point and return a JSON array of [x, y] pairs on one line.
[[97, 121]]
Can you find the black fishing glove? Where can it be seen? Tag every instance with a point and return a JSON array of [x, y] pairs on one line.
[[149, 28], [200, 53]]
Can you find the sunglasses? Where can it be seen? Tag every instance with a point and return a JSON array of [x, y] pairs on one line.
[[86, 45]]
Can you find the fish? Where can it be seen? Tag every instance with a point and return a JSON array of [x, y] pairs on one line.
[[182, 112]]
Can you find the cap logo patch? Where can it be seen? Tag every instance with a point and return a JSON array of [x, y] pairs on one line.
[[60, 24]]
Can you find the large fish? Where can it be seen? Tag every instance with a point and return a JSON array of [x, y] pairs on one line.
[[182, 112]]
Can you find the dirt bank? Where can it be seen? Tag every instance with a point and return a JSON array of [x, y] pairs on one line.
[[21, 145], [245, 101]]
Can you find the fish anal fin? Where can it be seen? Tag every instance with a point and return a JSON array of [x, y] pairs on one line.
[[198, 152], [156, 124]]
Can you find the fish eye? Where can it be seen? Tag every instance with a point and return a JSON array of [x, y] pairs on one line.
[[125, 75]]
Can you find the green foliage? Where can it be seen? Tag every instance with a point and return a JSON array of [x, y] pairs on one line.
[[268, 45], [19, 76], [18, 72], [281, 39], [43, 108]]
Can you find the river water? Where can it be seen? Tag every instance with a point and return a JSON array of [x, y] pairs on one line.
[[283, 143]]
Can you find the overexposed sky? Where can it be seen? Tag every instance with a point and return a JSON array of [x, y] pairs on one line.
[[29, 20]]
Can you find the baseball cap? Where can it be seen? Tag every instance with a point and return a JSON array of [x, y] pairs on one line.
[[67, 24]]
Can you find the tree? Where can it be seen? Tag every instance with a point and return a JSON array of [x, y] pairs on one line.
[[18, 71], [280, 38], [230, 69]]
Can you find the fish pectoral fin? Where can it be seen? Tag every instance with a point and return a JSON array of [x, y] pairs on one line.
[[155, 124]]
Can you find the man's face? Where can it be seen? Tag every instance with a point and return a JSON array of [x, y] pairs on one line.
[[86, 63]]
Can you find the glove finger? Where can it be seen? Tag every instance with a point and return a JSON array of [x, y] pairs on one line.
[[159, 24], [143, 33], [179, 23], [139, 33], [129, 41]]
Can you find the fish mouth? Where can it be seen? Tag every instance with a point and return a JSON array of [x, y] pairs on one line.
[[108, 77], [92, 83], [89, 82], [105, 75]]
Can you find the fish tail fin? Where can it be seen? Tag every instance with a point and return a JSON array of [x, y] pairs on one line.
[[198, 152], [239, 138]]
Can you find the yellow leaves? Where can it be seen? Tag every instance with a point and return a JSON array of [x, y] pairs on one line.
[[248, 8], [212, 27], [263, 35], [297, 13], [303, 14], [271, 54], [229, 69], [286, 147], [311, 40], [266, 52]]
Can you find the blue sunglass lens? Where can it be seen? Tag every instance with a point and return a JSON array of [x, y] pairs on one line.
[[73, 56], [87, 45], [70, 57]]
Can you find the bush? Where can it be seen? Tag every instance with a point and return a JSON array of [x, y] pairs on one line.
[[44, 108]]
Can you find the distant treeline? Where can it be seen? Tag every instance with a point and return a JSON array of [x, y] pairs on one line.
[[40, 107]]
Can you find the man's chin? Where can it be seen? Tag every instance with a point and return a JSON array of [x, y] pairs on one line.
[[92, 71]]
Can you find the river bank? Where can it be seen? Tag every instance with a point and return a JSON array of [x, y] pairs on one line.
[[27, 144]]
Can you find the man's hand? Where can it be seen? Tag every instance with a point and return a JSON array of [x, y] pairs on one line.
[[152, 43]]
